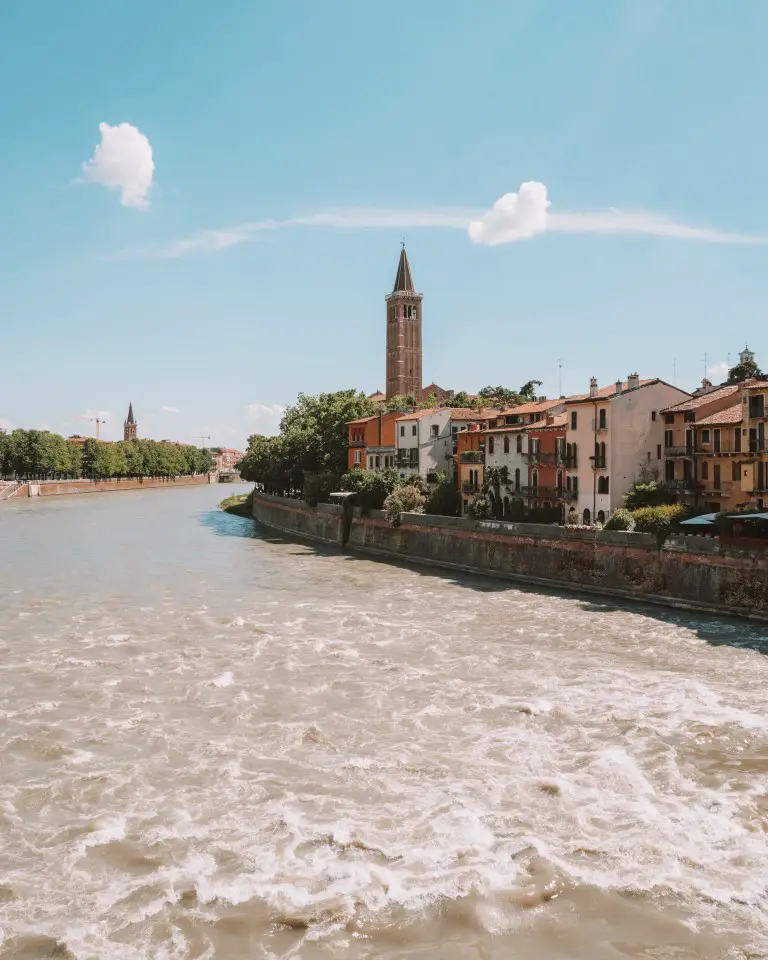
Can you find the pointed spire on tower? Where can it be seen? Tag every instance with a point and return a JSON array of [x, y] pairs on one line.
[[403, 280], [130, 414]]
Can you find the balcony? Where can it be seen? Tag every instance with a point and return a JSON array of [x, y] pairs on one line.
[[599, 427], [680, 486], [599, 463], [357, 443], [470, 488], [545, 459], [678, 451], [472, 456], [571, 463]]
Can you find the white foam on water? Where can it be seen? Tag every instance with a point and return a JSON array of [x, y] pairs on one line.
[[506, 753]]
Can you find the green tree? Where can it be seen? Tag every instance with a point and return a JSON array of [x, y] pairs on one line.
[[528, 390], [371, 487], [405, 498], [745, 369], [444, 499], [498, 396], [460, 399], [495, 479]]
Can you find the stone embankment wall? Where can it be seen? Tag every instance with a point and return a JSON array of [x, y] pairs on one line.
[[58, 488], [697, 573]]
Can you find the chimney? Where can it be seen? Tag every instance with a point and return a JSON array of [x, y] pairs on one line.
[[593, 387], [541, 399], [619, 387], [633, 381]]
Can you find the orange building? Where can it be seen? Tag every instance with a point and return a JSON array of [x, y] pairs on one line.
[[548, 484], [371, 442], [470, 458]]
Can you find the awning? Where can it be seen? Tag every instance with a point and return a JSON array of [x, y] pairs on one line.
[[748, 516], [705, 520]]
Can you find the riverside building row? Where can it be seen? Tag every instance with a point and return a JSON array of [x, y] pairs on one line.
[[584, 452]]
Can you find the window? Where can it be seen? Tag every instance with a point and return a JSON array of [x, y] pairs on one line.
[[705, 436], [669, 439], [517, 479], [601, 516], [413, 430], [586, 516], [358, 457], [602, 484], [653, 414], [669, 470], [735, 470], [434, 430], [669, 418], [575, 486], [491, 444], [506, 444], [658, 452], [573, 420], [535, 480], [559, 481], [601, 423], [705, 471], [402, 431], [716, 477], [519, 443]]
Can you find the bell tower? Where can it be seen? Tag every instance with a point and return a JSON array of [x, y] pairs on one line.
[[130, 426], [404, 334]]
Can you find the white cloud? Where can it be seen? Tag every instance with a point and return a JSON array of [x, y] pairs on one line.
[[5, 424], [265, 417], [89, 414], [718, 372], [122, 161], [522, 215], [513, 217], [170, 409]]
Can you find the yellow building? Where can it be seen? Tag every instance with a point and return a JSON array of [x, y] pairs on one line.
[[722, 478], [754, 413]]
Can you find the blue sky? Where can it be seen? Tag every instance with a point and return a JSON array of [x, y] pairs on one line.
[[232, 244]]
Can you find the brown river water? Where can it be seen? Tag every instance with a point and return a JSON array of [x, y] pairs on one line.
[[215, 743]]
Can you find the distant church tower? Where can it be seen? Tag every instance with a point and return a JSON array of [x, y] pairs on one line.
[[404, 334], [130, 426]]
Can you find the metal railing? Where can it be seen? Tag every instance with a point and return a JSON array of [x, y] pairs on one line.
[[685, 451], [468, 487], [598, 426], [472, 456], [545, 459]]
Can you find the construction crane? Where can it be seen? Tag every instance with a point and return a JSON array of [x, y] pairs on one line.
[[201, 438], [96, 421]]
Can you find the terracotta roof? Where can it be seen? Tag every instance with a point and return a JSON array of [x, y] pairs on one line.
[[695, 402], [467, 413], [607, 393], [377, 397], [351, 423], [557, 423], [729, 415]]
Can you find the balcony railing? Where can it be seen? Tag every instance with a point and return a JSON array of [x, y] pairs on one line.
[[472, 456], [571, 463], [545, 459], [599, 463], [757, 446], [468, 487], [357, 443], [686, 451], [680, 486], [599, 427]]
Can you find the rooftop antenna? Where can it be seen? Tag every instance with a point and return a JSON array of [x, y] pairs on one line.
[[560, 377]]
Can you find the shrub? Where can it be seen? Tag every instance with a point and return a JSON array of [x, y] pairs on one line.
[[318, 487], [621, 519], [403, 499], [479, 507], [658, 520], [370, 486], [648, 493]]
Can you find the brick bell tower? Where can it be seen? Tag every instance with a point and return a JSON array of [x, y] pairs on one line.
[[404, 334], [130, 426]]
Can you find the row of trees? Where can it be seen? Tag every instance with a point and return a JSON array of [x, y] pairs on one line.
[[42, 455]]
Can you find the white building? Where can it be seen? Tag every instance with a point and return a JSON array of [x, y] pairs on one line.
[[612, 434], [427, 439]]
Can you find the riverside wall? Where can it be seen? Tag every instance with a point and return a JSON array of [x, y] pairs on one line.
[[59, 488], [695, 573]]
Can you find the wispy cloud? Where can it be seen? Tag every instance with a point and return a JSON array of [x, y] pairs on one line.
[[6, 425], [170, 409], [521, 215], [265, 417], [122, 161]]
